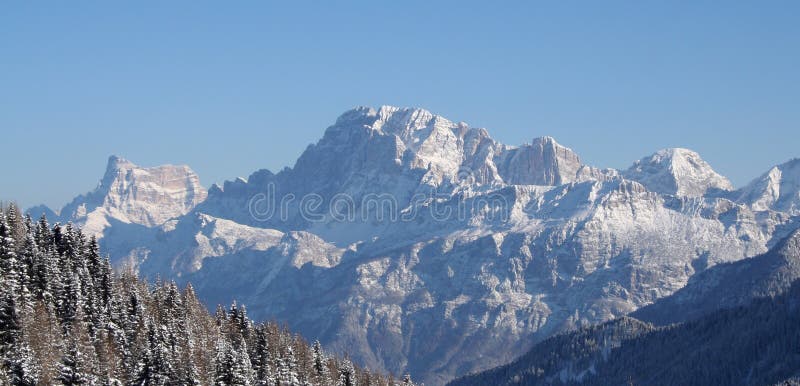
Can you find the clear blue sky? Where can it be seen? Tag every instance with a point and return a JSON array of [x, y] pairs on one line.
[[231, 87]]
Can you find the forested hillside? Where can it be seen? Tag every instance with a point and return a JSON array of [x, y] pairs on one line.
[[67, 318]]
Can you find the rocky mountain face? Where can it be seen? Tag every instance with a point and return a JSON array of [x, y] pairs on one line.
[[754, 344], [742, 314], [131, 194], [729, 285], [423, 245]]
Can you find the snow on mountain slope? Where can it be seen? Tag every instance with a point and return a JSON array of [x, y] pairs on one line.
[[730, 285], [445, 297], [778, 189], [461, 252], [132, 194], [678, 172]]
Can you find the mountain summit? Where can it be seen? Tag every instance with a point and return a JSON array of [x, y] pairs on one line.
[[778, 189], [132, 194], [679, 172]]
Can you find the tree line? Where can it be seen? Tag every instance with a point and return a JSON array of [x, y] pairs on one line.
[[67, 318]]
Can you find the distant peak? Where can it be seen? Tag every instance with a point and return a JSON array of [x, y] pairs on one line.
[[383, 113], [547, 141], [134, 194], [116, 162], [356, 113], [677, 171], [777, 189], [402, 121], [387, 110], [670, 156]]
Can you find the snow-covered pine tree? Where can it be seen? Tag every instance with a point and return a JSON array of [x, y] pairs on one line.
[[347, 374], [242, 368], [223, 363], [154, 365], [262, 358], [27, 254], [44, 279], [9, 264], [73, 367], [21, 367], [69, 299], [287, 368], [220, 315], [15, 222], [321, 372]]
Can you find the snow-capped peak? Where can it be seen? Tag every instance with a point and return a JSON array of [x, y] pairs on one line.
[[129, 193], [777, 189], [677, 171]]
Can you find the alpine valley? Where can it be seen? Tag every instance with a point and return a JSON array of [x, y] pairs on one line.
[[536, 242]]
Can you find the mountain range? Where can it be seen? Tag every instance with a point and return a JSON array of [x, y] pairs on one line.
[[422, 245]]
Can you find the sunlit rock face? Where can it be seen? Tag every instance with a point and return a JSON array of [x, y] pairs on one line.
[[135, 195]]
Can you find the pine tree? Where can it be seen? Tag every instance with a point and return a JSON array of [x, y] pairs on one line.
[[105, 289], [319, 362], [44, 276], [223, 363], [220, 316], [156, 369], [9, 265], [347, 374], [243, 369], [9, 317], [28, 253], [73, 367], [287, 368], [43, 234], [21, 366], [69, 299], [15, 223], [92, 268], [262, 358]]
